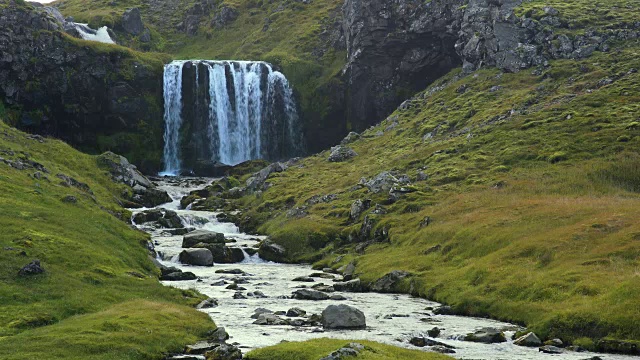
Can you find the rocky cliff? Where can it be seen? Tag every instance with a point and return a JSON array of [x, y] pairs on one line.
[[351, 63], [95, 96], [396, 48]]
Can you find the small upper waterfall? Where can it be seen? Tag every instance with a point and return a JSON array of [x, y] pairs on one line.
[[227, 112]]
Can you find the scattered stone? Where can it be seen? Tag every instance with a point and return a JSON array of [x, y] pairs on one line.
[[421, 341], [307, 294], [257, 294], [348, 271], [442, 349], [486, 336], [554, 342], [260, 311], [231, 271], [341, 153], [303, 279], [529, 339], [338, 297], [343, 317], [70, 199], [271, 251], [219, 283], [147, 216], [322, 275], [269, 319], [198, 257], [550, 349], [388, 283], [224, 352], [179, 276], [354, 285], [200, 347], [219, 335], [239, 295], [435, 332], [202, 236], [207, 304], [444, 310], [132, 21], [235, 286], [351, 137], [296, 312], [33, 268], [324, 288], [358, 207], [349, 351]]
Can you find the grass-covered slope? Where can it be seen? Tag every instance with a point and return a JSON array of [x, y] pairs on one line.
[[99, 297], [532, 192], [319, 348]]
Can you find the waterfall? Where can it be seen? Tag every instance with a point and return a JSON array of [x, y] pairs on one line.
[[172, 116], [227, 112]]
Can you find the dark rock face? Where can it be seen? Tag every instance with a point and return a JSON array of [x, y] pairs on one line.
[[73, 91], [132, 22], [224, 16], [395, 49]]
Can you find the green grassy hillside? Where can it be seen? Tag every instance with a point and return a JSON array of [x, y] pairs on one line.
[[99, 297], [531, 191], [319, 348]]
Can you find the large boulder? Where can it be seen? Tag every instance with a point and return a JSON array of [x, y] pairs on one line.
[[341, 153], [486, 336], [199, 257], [122, 171], [223, 254], [257, 181], [529, 339], [132, 21], [202, 236], [343, 317], [271, 251]]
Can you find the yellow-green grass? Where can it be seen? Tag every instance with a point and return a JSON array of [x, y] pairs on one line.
[[533, 197], [318, 348], [100, 294]]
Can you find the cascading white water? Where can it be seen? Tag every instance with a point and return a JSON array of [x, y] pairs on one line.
[[100, 35], [249, 112], [172, 116]]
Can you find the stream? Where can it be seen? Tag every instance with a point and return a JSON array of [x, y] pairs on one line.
[[391, 318]]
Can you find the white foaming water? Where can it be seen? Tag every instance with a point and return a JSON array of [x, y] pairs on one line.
[[100, 35], [391, 318]]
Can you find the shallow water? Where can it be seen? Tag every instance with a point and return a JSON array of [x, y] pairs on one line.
[[391, 319]]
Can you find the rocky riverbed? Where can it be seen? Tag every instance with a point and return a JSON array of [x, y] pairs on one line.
[[262, 303]]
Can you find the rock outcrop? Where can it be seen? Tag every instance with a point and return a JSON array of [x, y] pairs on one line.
[[76, 90]]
